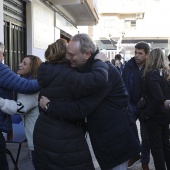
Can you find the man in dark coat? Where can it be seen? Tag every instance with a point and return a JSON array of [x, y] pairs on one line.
[[132, 75], [107, 111], [10, 81], [118, 63]]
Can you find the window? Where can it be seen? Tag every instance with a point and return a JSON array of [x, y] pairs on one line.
[[130, 24]]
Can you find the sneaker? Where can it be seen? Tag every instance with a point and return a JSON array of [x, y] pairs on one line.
[[133, 160], [145, 166]]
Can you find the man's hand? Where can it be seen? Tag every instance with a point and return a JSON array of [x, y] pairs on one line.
[[101, 56], [43, 101], [167, 104]]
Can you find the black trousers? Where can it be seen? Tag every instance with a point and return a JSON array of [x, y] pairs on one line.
[[158, 132], [33, 160], [3, 159]]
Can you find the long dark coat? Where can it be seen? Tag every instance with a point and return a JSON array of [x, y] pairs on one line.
[[107, 119]]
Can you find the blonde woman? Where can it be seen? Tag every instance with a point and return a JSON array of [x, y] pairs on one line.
[[157, 117]]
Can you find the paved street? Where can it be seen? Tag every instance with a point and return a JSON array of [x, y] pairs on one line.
[[26, 164]]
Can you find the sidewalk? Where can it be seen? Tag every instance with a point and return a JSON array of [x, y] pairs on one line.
[[25, 162]]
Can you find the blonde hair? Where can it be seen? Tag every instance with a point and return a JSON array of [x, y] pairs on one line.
[[157, 61], [56, 52]]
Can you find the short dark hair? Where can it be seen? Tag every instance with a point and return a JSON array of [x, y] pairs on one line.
[[143, 45], [118, 57]]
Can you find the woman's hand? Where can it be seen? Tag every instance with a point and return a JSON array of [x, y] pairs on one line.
[[101, 56], [43, 101], [167, 104]]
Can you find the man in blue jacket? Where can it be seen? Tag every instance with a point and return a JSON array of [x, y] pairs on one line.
[[107, 110], [10, 81], [132, 75]]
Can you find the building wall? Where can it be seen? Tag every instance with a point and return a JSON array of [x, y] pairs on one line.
[[1, 22], [154, 25], [42, 27]]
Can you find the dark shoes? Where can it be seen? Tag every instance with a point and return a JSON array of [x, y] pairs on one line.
[[133, 160], [145, 166]]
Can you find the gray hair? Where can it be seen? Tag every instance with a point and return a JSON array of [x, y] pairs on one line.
[[86, 43], [2, 47]]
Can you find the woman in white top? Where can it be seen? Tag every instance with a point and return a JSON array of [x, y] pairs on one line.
[[26, 105]]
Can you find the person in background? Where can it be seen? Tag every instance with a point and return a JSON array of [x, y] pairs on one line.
[[118, 63], [113, 61], [26, 105], [9, 81], [107, 110], [168, 59], [132, 75], [59, 143], [156, 86]]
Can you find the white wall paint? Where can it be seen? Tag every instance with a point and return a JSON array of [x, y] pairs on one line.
[[1, 22], [155, 22], [30, 32], [57, 34], [43, 29]]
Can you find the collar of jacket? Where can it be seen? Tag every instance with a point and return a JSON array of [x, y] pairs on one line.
[[133, 64], [88, 64]]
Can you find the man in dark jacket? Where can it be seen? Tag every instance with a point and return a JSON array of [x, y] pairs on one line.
[[132, 75], [107, 112], [118, 63], [10, 81]]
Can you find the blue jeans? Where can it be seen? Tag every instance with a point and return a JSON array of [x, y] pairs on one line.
[[145, 147], [3, 159]]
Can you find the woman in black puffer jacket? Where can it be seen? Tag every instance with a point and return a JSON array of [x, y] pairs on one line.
[[60, 144]]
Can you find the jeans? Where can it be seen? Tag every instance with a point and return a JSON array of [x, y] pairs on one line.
[[160, 144], [3, 159], [122, 166], [145, 146]]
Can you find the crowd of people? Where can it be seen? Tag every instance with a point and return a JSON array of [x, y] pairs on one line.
[[78, 91]]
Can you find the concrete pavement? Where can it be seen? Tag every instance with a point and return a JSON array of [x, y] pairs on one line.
[[25, 162]]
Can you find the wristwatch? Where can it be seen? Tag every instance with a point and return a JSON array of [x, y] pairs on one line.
[[47, 106]]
